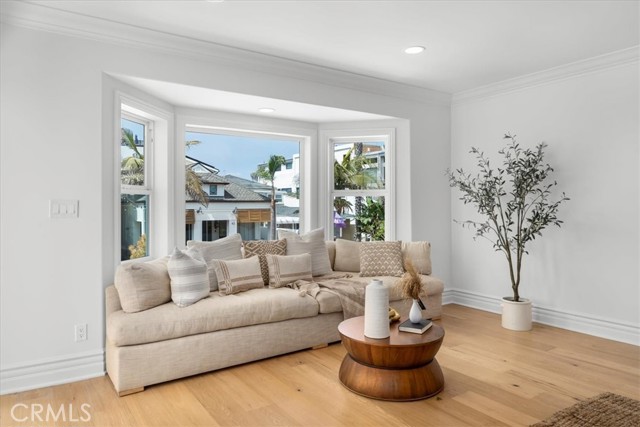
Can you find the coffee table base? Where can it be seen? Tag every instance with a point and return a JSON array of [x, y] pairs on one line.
[[392, 384]]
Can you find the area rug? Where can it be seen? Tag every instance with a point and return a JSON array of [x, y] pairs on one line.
[[604, 410]]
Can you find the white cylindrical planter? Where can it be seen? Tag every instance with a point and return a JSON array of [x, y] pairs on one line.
[[516, 315], [376, 310]]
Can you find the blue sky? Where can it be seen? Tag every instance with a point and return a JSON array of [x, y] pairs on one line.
[[237, 155]]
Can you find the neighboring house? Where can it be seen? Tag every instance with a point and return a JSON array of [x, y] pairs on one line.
[[232, 208]]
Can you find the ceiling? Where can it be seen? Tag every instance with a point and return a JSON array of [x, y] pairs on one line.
[[468, 43]]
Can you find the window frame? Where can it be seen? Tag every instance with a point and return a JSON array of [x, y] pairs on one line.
[[249, 126], [158, 170], [387, 136]]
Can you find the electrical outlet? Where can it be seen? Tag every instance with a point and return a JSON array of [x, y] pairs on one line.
[[81, 332]]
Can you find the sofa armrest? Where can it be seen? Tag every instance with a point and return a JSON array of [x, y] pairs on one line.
[[112, 300]]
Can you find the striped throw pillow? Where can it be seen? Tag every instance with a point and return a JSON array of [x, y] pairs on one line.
[[287, 269], [309, 243], [260, 248], [189, 277], [229, 247], [238, 275]]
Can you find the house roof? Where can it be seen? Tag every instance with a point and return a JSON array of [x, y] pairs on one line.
[[248, 183], [233, 192]]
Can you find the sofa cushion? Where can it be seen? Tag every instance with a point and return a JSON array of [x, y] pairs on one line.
[[420, 255], [211, 314], [381, 259], [330, 303], [331, 250], [238, 275], [310, 243], [143, 285], [260, 248], [347, 255], [287, 269], [226, 248], [189, 277]]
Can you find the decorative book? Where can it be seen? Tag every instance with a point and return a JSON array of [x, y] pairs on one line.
[[415, 328]]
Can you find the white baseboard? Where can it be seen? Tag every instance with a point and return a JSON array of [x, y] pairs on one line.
[[45, 373], [590, 325]]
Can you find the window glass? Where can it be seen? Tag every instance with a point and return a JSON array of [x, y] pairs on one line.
[[239, 175], [134, 226], [132, 147], [359, 166]]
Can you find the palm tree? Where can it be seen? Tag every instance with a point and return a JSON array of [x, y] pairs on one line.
[[132, 167], [341, 205], [267, 172], [193, 181]]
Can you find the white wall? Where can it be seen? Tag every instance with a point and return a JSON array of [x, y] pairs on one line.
[[55, 133], [583, 276]]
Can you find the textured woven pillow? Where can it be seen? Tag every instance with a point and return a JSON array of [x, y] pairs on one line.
[[420, 255], [226, 248], [310, 243], [287, 269], [238, 275], [260, 248], [189, 277], [143, 285], [381, 259], [347, 255]]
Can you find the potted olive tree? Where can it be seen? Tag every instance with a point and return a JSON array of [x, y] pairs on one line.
[[515, 203]]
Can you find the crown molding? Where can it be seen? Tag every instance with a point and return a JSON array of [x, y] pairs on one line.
[[598, 63], [45, 18]]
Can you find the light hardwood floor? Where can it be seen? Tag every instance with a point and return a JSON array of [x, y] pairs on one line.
[[493, 377]]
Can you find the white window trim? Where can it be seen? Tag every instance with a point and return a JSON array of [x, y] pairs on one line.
[[328, 139]]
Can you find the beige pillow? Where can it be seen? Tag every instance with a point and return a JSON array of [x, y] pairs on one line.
[[143, 285], [229, 247], [310, 243], [189, 277], [260, 248], [347, 255], [287, 269], [381, 259], [238, 275], [420, 255]]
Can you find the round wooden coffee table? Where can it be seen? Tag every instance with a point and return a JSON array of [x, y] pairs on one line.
[[401, 367]]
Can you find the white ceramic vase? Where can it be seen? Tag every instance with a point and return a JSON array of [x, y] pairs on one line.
[[415, 314], [376, 310], [516, 316]]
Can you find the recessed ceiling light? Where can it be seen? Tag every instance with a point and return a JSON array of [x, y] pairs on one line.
[[414, 50], [266, 110]]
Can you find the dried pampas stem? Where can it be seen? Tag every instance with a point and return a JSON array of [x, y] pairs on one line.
[[410, 284]]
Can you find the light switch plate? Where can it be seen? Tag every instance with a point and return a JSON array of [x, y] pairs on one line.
[[63, 208]]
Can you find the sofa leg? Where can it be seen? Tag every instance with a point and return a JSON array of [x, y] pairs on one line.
[[319, 346], [130, 391]]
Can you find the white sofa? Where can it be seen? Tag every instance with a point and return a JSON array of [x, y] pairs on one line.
[[169, 342]]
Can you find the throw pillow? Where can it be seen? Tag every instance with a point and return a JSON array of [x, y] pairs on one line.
[[420, 255], [260, 248], [347, 255], [381, 259], [226, 248], [143, 285], [238, 275], [309, 243], [189, 277], [287, 269]]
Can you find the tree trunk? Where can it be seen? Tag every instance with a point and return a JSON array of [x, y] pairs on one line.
[[273, 212]]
